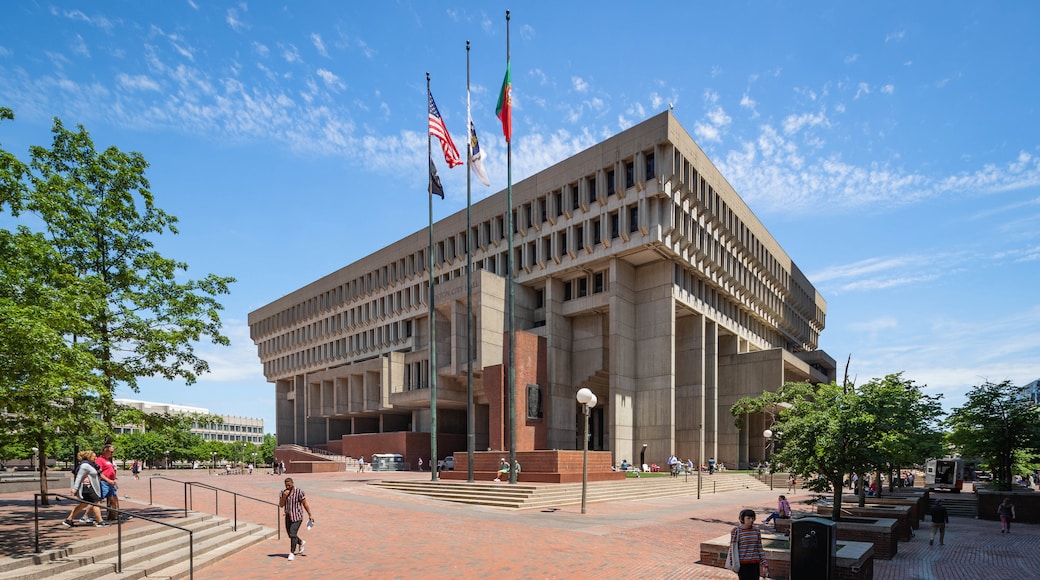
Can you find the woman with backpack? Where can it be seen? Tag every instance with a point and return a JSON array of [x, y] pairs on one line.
[[87, 487]]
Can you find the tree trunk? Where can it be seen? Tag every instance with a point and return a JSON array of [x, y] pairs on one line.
[[836, 513], [880, 482]]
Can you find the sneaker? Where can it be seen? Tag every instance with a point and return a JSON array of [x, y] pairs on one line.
[[68, 524], [291, 557], [100, 524], [303, 545], [497, 479]]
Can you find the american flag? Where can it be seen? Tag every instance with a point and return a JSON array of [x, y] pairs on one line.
[[438, 130]]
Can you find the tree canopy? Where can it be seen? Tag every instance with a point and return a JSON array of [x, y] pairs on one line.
[[828, 431], [998, 423], [95, 211]]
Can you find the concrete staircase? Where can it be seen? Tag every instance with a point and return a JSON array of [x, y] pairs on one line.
[[957, 504], [149, 551], [539, 496]]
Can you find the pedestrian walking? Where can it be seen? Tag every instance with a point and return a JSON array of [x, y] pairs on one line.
[[939, 520], [86, 487], [109, 489], [1006, 511], [420, 464], [294, 503]]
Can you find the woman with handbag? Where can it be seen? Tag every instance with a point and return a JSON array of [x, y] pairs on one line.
[[87, 487], [746, 556]]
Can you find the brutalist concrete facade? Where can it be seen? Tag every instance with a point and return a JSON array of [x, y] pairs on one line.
[[650, 279]]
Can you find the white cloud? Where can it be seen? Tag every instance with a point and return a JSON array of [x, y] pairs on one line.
[[862, 89], [331, 80], [750, 104], [715, 119], [851, 58], [290, 53], [899, 35], [234, 21], [888, 89], [795, 123], [319, 45], [261, 49], [137, 82], [579, 84], [79, 46], [98, 21]]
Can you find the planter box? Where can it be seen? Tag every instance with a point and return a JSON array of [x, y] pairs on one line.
[[881, 532], [855, 560], [903, 514]]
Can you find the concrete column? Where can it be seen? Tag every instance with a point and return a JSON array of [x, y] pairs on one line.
[[559, 403], [622, 363], [711, 388], [655, 360]]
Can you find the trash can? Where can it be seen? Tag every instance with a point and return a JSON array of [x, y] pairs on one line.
[[814, 548]]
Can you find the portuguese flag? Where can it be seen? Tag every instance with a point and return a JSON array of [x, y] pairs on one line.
[[504, 111]]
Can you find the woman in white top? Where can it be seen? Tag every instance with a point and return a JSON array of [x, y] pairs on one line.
[[87, 487]]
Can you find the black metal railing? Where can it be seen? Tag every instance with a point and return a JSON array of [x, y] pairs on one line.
[[189, 487], [119, 529]]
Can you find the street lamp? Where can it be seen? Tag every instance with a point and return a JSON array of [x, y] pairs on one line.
[[167, 453], [588, 400], [642, 457], [32, 460], [768, 435], [214, 455]]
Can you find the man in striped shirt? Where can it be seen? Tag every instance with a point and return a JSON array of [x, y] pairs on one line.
[[295, 503]]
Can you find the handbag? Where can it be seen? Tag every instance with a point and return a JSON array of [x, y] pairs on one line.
[[733, 558]]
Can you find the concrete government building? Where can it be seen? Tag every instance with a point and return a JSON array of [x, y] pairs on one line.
[[640, 274]]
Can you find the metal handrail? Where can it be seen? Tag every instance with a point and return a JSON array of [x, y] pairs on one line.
[[119, 529], [189, 499]]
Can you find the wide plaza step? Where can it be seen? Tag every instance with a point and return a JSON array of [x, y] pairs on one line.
[[148, 551], [544, 495]]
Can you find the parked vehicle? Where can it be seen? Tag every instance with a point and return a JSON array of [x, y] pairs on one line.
[[447, 463], [945, 474], [388, 462]]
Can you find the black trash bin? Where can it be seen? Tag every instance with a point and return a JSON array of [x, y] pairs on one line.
[[814, 547]]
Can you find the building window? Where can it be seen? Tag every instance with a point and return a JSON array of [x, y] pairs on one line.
[[633, 219], [575, 202], [583, 287], [615, 229], [559, 203], [650, 166], [567, 290], [630, 174], [610, 183], [596, 234], [597, 282], [592, 190]]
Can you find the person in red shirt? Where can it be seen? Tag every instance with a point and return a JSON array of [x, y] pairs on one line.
[[109, 489]]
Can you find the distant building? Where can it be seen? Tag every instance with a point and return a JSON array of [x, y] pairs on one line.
[[232, 429], [640, 272], [1033, 389]]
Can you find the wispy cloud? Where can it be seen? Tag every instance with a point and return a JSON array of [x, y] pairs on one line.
[[319, 45], [234, 21], [137, 82], [98, 21]]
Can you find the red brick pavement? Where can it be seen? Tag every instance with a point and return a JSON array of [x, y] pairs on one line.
[[366, 532]]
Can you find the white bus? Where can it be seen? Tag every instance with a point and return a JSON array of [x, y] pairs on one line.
[[945, 474]]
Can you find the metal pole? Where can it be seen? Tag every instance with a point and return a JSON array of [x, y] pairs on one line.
[[585, 459]]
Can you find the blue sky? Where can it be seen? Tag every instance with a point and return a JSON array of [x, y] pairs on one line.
[[892, 148]]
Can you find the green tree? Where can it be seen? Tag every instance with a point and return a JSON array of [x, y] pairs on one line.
[[98, 212], [903, 426], [998, 422], [47, 383], [822, 435]]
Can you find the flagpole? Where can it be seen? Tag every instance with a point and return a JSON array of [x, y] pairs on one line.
[[471, 437], [433, 326], [510, 325]]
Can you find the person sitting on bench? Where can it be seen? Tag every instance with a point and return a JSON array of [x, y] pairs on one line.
[[783, 510], [503, 470]]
